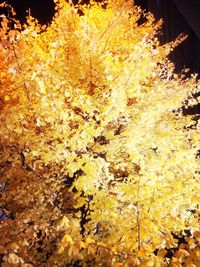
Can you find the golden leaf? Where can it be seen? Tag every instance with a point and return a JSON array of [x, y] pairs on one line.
[[63, 224], [67, 239]]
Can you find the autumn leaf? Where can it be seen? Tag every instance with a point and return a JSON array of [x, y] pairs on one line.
[[101, 165]]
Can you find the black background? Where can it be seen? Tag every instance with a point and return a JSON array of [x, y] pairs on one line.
[[186, 55]]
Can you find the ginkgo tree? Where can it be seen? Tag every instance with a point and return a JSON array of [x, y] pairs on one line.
[[101, 165]]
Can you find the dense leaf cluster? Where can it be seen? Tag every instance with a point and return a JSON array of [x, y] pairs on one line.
[[99, 167]]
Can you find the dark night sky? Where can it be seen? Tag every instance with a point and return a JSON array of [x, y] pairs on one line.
[[43, 10], [180, 16]]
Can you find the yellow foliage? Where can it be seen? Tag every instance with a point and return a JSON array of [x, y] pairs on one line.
[[94, 100], [63, 224]]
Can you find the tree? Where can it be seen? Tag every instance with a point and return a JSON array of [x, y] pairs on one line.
[[102, 167]]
